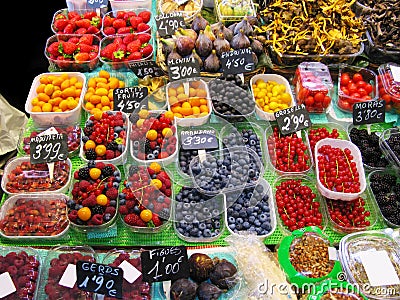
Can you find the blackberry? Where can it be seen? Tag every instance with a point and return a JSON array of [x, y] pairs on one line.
[[107, 171], [112, 146], [88, 131], [97, 209], [396, 189], [84, 173], [383, 199], [90, 154]]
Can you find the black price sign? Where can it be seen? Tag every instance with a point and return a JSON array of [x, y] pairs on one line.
[[369, 112], [163, 264], [99, 278], [181, 68], [48, 148], [146, 68], [199, 139], [292, 119], [96, 3], [167, 24], [129, 99], [237, 61]]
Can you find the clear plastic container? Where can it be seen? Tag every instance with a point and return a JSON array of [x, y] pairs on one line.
[[24, 266], [88, 208], [327, 59], [389, 143], [366, 137], [229, 169], [48, 119], [63, 64], [119, 14], [139, 137], [130, 4], [120, 155], [346, 98], [282, 217], [81, 5], [389, 85], [122, 64], [269, 116], [259, 199], [115, 258], [384, 187], [229, 11], [194, 92], [22, 176], [63, 14], [300, 164], [357, 250], [57, 260], [357, 159], [189, 9], [40, 216], [201, 220], [154, 194], [230, 102], [313, 86], [73, 138]]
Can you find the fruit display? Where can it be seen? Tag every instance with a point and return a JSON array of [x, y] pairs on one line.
[[389, 88], [94, 191], [229, 11], [288, 154], [130, 290], [126, 21], [251, 210], [105, 137], [76, 22], [20, 176], [145, 200], [313, 86], [271, 93], [355, 85], [153, 136], [73, 52], [385, 187], [189, 8], [197, 216], [23, 267], [32, 216], [298, 203], [73, 134], [57, 260], [117, 51]]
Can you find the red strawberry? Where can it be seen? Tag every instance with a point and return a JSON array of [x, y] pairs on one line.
[[68, 47], [147, 50], [85, 48], [84, 23], [69, 29], [74, 40], [81, 31], [86, 39], [107, 51], [134, 56], [93, 29], [156, 220], [81, 57], [145, 15], [128, 38], [107, 21], [133, 46], [118, 55], [109, 30], [53, 48], [89, 15], [118, 23], [133, 21], [144, 37], [73, 14], [60, 24], [143, 27], [96, 21], [63, 62], [124, 30]]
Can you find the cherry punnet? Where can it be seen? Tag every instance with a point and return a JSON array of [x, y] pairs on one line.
[[337, 169]]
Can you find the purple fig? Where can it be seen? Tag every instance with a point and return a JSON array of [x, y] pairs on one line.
[[203, 44], [184, 45], [212, 62]]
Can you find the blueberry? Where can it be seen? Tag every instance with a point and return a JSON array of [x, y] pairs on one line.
[[263, 217], [122, 201], [183, 224], [194, 232], [266, 226], [113, 203], [232, 226], [107, 217], [202, 226], [252, 219], [246, 225], [207, 232], [231, 220], [189, 218], [150, 206], [239, 227], [243, 213], [239, 221], [257, 223]]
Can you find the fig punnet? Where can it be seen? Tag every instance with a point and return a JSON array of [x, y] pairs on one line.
[[183, 289], [200, 266], [208, 291], [224, 274]]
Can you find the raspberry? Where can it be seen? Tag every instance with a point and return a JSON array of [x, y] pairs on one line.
[[156, 220], [133, 220], [110, 154], [130, 204], [112, 193], [110, 210], [123, 210], [89, 201], [83, 173], [84, 185], [107, 170], [100, 165], [97, 219], [90, 154]]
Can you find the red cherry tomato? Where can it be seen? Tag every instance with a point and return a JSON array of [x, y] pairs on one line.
[[327, 101], [361, 84], [368, 87], [357, 77], [362, 91], [319, 97], [366, 98], [344, 105], [344, 79], [352, 88], [345, 90], [355, 95], [309, 101]]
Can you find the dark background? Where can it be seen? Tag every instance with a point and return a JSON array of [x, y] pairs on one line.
[[23, 40]]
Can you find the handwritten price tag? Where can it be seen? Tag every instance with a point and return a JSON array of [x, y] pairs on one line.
[[369, 112], [292, 119], [183, 68], [163, 264], [237, 61], [167, 24], [146, 68], [99, 278], [130, 99], [198, 139], [48, 148], [96, 3]]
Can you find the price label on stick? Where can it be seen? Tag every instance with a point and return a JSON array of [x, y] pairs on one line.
[[167, 24], [48, 148], [199, 139], [182, 68], [129, 99], [99, 278], [163, 264], [237, 61], [97, 3], [369, 112], [292, 119], [146, 68]]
